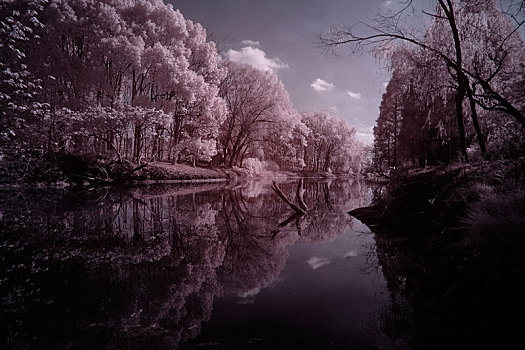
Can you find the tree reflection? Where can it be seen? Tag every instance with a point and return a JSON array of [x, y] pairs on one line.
[[115, 268], [253, 259], [328, 202]]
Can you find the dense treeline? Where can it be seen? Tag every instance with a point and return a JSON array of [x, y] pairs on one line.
[[457, 86], [137, 81], [431, 114]]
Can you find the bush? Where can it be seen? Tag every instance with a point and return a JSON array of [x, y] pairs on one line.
[[254, 166]]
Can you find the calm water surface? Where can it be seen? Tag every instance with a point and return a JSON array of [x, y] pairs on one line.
[[192, 267]]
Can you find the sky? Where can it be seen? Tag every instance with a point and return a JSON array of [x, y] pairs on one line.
[[282, 36]]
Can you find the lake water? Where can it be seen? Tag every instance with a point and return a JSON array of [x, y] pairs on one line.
[[215, 266]]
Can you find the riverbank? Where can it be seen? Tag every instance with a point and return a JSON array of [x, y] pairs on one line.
[[450, 244], [68, 170]]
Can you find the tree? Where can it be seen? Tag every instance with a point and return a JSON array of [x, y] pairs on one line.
[[135, 80], [285, 141], [495, 58], [422, 131], [450, 18], [387, 130], [121, 55], [330, 141], [20, 27], [256, 103]]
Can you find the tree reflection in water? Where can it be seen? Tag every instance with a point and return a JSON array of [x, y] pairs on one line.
[[141, 267]]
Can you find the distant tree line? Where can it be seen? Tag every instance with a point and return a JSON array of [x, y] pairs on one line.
[[135, 80]]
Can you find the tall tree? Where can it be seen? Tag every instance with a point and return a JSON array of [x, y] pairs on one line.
[[256, 102]]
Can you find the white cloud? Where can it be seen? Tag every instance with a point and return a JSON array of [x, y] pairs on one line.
[[385, 84], [256, 58], [387, 3], [355, 95], [351, 254], [250, 43], [321, 85], [334, 109], [316, 262], [251, 293]]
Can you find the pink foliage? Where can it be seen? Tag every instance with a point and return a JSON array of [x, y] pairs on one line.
[[116, 53]]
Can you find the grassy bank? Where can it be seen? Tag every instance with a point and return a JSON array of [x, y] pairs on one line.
[[453, 237]]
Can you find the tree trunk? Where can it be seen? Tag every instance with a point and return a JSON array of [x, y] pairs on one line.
[[137, 145], [395, 135], [460, 93], [474, 116]]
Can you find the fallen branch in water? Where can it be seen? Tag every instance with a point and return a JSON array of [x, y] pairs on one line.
[[300, 192], [294, 216]]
